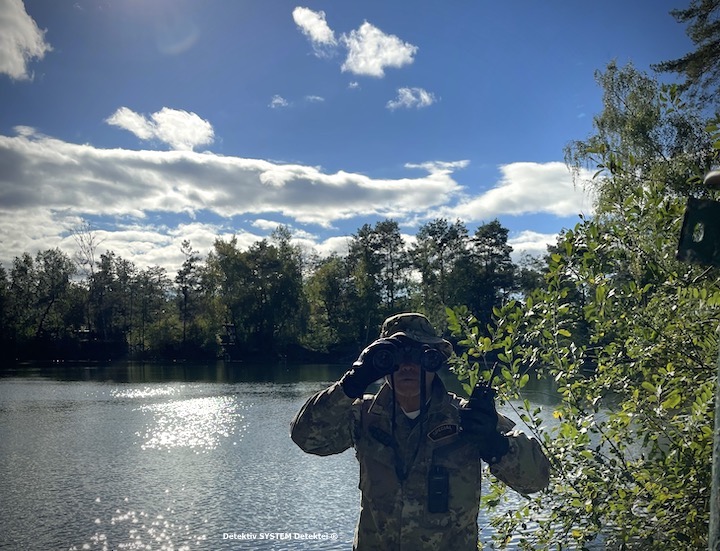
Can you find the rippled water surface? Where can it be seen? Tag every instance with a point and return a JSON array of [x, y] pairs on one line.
[[167, 458]]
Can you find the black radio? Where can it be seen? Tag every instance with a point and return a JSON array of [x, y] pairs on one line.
[[438, 489]]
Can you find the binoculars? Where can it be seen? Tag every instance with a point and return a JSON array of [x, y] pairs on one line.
[[387, 357]]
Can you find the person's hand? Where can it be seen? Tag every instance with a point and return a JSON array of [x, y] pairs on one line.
[[479, 420], [376, 361]]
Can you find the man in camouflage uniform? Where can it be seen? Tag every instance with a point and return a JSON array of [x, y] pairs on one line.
[[419, 448]]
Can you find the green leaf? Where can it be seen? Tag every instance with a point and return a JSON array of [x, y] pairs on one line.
[[672, 401]]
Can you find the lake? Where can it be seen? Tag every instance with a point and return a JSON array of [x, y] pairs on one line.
[[172, 456]]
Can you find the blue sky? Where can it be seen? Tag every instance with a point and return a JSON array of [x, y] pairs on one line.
[[156, 121]]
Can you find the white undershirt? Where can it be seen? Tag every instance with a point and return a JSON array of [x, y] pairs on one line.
[[411, 414]]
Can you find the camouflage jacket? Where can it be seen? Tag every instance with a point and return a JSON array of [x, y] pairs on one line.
[[395, 465]]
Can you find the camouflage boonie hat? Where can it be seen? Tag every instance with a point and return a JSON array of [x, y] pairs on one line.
[[416, 327]]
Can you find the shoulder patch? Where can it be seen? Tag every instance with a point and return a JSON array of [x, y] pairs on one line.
[[443, 431]]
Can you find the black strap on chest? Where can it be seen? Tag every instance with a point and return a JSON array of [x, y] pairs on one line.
[[438, 486], [401, 469]]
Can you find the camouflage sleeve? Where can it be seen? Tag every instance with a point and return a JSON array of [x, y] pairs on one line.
[[325, 423], [524, 468]]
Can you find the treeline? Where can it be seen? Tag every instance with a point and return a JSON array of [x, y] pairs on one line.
[[268, 301]]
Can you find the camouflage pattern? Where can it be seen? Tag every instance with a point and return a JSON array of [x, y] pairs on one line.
[[416, 327], [394, 511]]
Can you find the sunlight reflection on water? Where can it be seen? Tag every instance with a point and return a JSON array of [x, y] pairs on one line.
[[145, 392], [175, 464], [197, 423], [171, 464], [143, 533]]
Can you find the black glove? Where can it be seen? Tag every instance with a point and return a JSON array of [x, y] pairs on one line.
[[479, 420], [376, 361]]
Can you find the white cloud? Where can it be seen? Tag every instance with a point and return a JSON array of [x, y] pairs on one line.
[[526, 188], [143, 244], [314, 99], [21, 40], [440, 167], [371, 51], [339, 245], [278, 102], [530, 242], [179, 129], [151, 245], [133, 122], [265, 225], [313, 25], [48, 185], [411, 97]]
